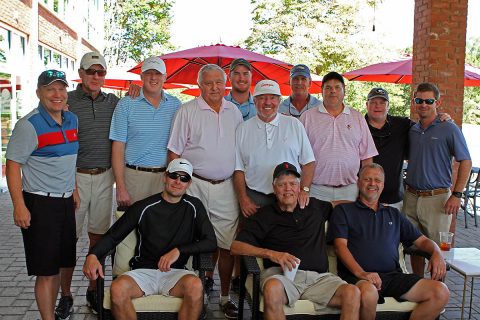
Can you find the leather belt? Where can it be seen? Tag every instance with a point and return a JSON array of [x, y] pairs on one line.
[[427, 193], [146, 169], [339, 186], [92, 171], [52, 194], [208, 180]]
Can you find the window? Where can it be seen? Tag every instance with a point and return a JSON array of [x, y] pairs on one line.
[[47, 57]]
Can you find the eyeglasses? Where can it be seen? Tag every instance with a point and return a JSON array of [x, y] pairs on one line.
[[100, 72], [427, 101], [55, 74], [175, 176]]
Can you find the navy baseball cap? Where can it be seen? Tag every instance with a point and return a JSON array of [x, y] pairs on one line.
[[300, 70], [48, 77], [378, 93]]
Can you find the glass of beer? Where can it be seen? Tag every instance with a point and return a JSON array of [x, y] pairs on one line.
[[446, 240]]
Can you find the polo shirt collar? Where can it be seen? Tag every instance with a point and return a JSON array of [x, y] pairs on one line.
[[204, 105], [142, 96], [82, 94], [261, 124], [419, 126], [360, 204], [280, 211], [321, 108], [48, 118], [387, 122], [229, 97]]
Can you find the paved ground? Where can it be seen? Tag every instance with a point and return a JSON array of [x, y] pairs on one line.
[[16, 288]]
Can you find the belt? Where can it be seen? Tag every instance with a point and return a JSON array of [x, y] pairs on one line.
[[208, 180], [92, 171], [52, 194], [146, 169], [339, 186], [427, 193]]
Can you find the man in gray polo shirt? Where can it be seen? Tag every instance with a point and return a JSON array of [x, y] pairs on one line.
[[94, 109], [428, 202]]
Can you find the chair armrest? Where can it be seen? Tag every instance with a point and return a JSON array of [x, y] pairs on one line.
[[251, 265], [203, 262], [416, 252]]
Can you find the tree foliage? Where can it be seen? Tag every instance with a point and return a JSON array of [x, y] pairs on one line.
[[471, 100], [135, 30]]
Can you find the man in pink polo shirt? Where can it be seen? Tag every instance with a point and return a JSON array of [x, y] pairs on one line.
[[203, 132], [341, 143]]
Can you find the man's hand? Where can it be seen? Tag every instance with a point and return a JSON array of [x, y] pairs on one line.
[[123, 197], [92, 268], [21, 217], [452, 205], [133, 90], [167, 259], [76, 199], [371, 277], [303, 199], [248, 207], [444, 116], [285, 260], [437, 266]]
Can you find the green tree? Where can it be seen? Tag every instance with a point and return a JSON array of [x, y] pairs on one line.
[[471, 100], [135, 30]]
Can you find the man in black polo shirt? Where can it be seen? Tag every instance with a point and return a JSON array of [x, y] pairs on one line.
[[285, 235], [366, 236]]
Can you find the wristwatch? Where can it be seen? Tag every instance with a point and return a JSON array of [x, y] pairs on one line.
[[457, 194], [306, 189]]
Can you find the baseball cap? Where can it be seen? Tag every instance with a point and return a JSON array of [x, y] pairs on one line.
[[285, 167], [240, 61], [266, 87], [50, 76], [378, 93], [300, 70], [154, 63], [91, 58], [180, 164]]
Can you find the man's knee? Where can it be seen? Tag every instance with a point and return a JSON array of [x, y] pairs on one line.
[[368, 293], [193, 288], [274, 293], [119, 291], [439, 292], [349, 295]]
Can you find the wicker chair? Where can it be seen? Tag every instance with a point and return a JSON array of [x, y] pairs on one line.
[[150, 307]]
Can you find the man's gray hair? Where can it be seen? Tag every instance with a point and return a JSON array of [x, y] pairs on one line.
[[210, 67], [371, 166]]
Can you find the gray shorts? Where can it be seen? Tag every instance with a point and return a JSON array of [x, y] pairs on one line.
[[318, 288], [154, 281]]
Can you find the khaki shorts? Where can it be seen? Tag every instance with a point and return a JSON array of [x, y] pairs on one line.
[[154, 281], [142, 184], [330, 194], [428, 213], [96, 201], [318, 288], [222, 207]]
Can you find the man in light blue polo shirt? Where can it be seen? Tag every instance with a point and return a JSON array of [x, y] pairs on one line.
[[140, 131], [428, 202], [300, 100], [241, 80]]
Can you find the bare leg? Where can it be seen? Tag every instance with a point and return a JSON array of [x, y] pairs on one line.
[[275, 298], [418, 265], [46, 290], [189, 288], [347, 298], [431, 295], [122, 291], [225, 268], [368, 300]]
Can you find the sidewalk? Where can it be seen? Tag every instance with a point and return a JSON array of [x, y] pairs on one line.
[[17, 299]]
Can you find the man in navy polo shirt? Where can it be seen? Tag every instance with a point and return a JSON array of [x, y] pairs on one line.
[[366, 237], [41, 157]]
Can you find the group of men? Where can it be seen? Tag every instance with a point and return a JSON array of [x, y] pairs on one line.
[[222, 152]]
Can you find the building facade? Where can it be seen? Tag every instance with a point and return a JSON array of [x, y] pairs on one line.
[[36, 35]]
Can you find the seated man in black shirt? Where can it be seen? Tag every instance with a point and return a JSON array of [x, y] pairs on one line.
[[171, 226], [366, 237], [285, 235]]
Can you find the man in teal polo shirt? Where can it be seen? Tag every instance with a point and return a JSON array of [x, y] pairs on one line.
[[241, 80]]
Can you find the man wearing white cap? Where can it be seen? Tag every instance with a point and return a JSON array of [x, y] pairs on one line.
[[173, 225], [264, 141], [140, 131]]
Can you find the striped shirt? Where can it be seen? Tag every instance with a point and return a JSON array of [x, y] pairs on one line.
[[94, 118], [247, 108], [287, 108], [46, 150], [144, 129], [339, 144]]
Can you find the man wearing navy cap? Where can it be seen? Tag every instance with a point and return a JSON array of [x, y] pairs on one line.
[[300, 100], [41, 157], [241, 80]]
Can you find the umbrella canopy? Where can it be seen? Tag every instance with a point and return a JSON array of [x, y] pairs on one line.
[[183, 66], [401, 72]]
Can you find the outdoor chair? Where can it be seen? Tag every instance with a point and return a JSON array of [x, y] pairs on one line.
[[304, 309], [154, 306], [470, 195]]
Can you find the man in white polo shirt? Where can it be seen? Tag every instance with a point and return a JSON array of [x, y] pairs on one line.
[[203, 132], [341, 142], [265, 141]]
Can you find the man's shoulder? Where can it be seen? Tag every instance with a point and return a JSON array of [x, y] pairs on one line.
[[193, 201], [172, 99], [323, 205]]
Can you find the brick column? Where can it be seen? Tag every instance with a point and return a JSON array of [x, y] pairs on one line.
[[439, 50]]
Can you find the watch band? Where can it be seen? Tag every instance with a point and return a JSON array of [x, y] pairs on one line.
[[457, 194]]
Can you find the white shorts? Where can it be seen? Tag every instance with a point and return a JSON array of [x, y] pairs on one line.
[[222, 207], [96, 196], [325, 193], [154, 281]]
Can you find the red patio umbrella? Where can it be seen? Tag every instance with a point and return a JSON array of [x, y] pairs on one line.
[[401, 72], [183, 66]]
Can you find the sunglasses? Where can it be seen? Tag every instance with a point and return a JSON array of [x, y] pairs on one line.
[[55, 74], [421, 101], [100, 72], [175, 176]]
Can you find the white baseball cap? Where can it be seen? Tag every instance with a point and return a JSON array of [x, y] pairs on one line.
[[180, 164], [266, 87], [91, 58], [154, 63]]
